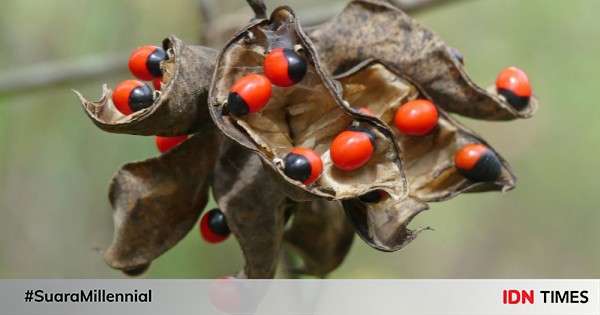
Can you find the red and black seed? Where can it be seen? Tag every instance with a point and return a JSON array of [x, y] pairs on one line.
[[130, 96], [303, 165], [478, 163], [513, 84], [213, 226], [284, 67]]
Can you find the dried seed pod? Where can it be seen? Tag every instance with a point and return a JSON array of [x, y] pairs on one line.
[[384, 225], [428, 160], [308, 114], [180, 108], [375, 29], [156, 202], [320, 234], [253, 206]]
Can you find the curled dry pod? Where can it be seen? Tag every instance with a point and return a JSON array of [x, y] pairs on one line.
[[308, 114], [376, 29], [320, 234], [253, 205], [180, 108], [428, 160], [157, 201]]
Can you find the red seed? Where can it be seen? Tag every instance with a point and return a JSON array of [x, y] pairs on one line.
[[284, 67], [131, 95], [249, 94], [164, 144], [144, 62], [213, 227], [416, 118], [351, 150]]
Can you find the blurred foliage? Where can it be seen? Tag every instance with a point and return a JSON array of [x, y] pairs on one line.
[[55, 165]]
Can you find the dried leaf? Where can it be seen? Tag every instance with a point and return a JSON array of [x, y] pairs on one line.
[[253, 206], [428, 160], [321, 234], [157, 201], [309, 114], [180, 108], [374, 29]]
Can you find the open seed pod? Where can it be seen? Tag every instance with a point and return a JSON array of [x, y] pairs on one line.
[[179, 108], [308, 114], [157, 201], [429, 160], [376, 29]]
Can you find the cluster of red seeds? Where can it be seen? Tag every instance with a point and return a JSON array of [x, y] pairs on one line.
[[475, 161], [131, 96], [354, 147]]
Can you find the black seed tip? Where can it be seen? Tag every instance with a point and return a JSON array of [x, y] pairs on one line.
[[297, 66], [374, 196], [297, 167], [154, 60], [218, 223], [516, 101], [367, 131], [236, 104], [487, 169], [140, 98]]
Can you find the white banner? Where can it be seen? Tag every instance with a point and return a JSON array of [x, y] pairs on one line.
[[296, 297]]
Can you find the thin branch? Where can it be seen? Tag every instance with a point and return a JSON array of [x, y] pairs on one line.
[[214, 32], [259, 8], [61, 73], [207, 11]]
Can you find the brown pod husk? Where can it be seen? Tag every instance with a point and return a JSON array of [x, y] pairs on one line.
[[376, 29], [181, 106], [384, 226], [254, 207], [321, 235], [308, 114], [428, 160], [157, 201]]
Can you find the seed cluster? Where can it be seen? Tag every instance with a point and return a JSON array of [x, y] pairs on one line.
[[354, 147], [356, 123], [131, 96]]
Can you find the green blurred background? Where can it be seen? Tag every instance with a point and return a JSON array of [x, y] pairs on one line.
[[55, 164]]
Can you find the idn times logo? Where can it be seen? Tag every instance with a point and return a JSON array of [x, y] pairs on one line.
[[514, 296]]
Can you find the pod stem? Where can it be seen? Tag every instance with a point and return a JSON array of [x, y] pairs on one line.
[[259, 8]]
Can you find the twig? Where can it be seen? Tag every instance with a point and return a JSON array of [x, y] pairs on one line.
[[60, 73], [207, 11], [259, 8], [214, 31]]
